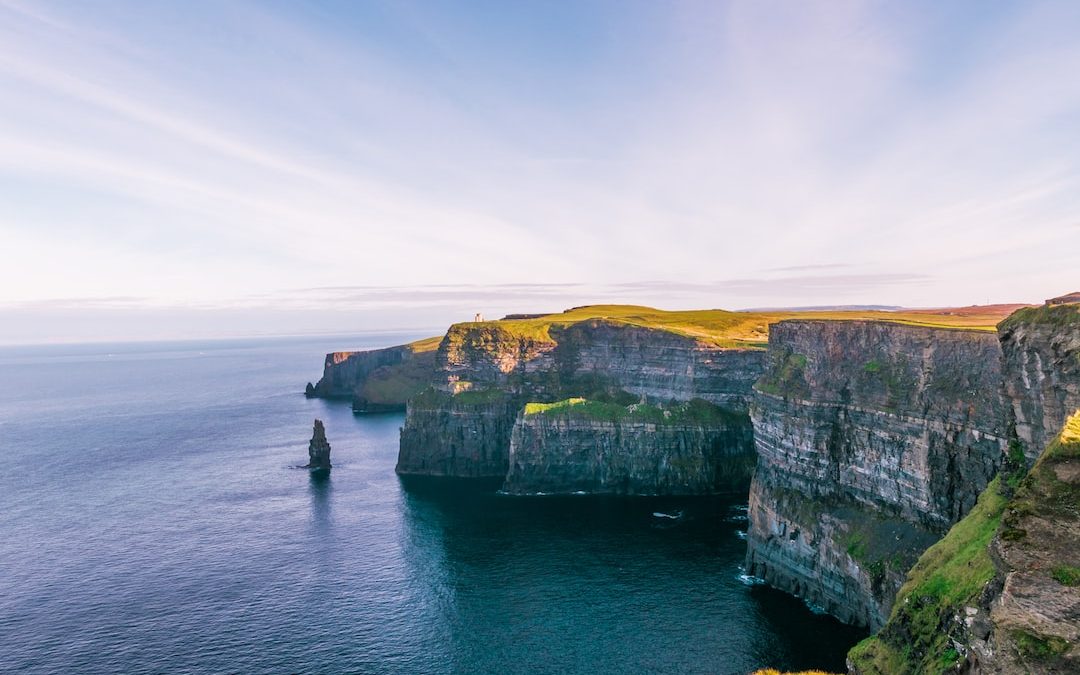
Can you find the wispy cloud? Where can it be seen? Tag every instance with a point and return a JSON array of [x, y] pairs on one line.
[[733, 153]]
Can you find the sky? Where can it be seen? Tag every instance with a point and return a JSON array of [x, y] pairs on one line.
[[202, 169]]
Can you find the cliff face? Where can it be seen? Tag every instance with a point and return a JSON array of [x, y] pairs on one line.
[[377, 379], [487, 372], [1041, 371], [640, 450], [656, 364], [462, 436], [1000, 593], [872, 438]]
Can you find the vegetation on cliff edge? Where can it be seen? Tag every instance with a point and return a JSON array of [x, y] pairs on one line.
[[1057, 316], [393, 385], [696, 411], [949, 576], [953, 573], [719, 327]]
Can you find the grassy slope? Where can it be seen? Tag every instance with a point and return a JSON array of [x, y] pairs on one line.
[[393, 385], [952, 574], [736, 329], [1058, 316], [696, 411]]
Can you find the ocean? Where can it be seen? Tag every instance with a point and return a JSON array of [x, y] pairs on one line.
[[153, 520]]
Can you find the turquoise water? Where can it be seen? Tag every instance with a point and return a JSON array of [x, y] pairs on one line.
[[152, 521]]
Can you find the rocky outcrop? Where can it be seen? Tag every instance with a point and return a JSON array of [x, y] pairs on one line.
[[1041, 371], [1000, 593], [872, 439], [318, 448], [580, 446], [488, 371], [377, 380]]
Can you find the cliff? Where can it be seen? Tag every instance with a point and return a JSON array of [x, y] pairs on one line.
[[379, 379], [466, 435], [872, 438], [999, 593], [549, 361], [489, 371], [1041, 371], [642, 449]]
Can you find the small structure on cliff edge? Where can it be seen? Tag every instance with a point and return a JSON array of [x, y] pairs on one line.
[[318, 448]]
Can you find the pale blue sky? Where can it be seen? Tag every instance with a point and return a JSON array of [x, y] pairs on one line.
[[223, 168]]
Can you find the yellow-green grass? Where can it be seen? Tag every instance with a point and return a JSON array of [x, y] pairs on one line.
[[733, 329], [1059, 316], [951, 574], [696, 411], [425, 345], [948, 576], [393, 385]]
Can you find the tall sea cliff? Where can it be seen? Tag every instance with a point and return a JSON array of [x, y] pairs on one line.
[[872, 439], [487, 374], [1000, 593]]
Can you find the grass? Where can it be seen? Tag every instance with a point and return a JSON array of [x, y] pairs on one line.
[[951, 574], [431, 398], [1066, 575], [948, 576], [1038, 647], [398, 383], [787, 377], [773, 671], [717, 327], [696, 411], [1058, 316], [426, 345], [479, 396]]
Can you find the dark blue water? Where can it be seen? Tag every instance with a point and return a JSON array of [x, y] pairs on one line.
[[150, 521]]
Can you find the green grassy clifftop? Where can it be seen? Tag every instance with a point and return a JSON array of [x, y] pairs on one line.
[[720, 327]]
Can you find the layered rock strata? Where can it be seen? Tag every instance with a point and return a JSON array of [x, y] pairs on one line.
[[488, 372], [1041, 371], [656, 364], [872, 438], [581, 446], [462, 436], [1000, 593]]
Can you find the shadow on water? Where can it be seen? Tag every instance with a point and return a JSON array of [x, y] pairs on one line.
[[320, 487]]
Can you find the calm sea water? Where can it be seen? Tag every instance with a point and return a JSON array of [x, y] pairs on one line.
[[151, 521]]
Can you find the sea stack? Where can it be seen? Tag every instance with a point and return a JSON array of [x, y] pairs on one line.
[[319, 448]]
